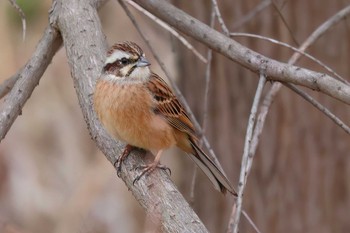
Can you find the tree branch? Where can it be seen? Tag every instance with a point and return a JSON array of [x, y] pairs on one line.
[[270, 96], [275, 70], [85, 47], [246, 159], [7, 85], [23, 17], [28, 78]]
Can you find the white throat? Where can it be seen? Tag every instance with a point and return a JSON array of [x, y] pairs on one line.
[[139, 75]]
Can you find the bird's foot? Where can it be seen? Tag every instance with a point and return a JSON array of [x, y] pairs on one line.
[[118, 163], [148, 169]]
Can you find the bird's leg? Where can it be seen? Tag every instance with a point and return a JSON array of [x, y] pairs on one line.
[[118, 163], [147, 169]]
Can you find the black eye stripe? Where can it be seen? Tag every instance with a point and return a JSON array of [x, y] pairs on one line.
[[120, 63], [125, 61]]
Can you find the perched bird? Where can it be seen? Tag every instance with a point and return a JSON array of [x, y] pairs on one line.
[[136, 106]]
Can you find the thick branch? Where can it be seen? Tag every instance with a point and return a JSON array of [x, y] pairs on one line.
[[85, 47], [254, 61], [29, 77]]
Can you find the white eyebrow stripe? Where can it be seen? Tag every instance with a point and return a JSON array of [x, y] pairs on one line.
[[116, 56]]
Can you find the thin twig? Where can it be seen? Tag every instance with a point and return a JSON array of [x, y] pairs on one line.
[[245, 19], [264, 108], [23, 17], [8, 84], [29, 77], [220, 19], [295, 50], [250, 221], [208, 76], [206, 105], [284, 22], [276, 70], [245, 158], [176, 89], [169, 29], [321, 30], [319, 106], [270, 96]]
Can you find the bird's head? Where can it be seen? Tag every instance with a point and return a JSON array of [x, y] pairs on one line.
[[126, 60]]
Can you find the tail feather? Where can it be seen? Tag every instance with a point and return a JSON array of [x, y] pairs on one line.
[[216, 176]]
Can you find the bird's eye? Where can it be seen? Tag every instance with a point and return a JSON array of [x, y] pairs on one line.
[[124, 61]]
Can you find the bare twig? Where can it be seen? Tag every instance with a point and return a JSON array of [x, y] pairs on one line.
[[176, 89], [264, 108], [295, 50], [208, 76], [251, 221], [8, 84], [284, 22], [206, 105], [23, 17], [169, 29], [245, 19], [29, 77], [319, 106], [321, 30], [275, 70], [245, 158], [220, 19]]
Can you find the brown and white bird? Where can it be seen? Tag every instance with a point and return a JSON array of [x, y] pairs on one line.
[[138, 107]]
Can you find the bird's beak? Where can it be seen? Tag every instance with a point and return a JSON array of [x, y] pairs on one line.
[[142, 62]]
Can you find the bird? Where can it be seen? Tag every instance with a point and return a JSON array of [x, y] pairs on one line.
[[136, 106]]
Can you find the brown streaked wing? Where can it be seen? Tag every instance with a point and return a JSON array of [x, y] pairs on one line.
[[169, 106]]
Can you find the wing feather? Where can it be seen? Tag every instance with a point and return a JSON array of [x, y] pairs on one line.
[[169, 106]]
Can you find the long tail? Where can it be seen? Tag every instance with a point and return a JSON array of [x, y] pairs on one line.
[[216, 176]]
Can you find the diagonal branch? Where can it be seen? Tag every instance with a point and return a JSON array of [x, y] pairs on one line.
[[270, 96], [28, 78], [235, 34], [169, 29], [7, 85], [275, 70], [307, 97], [245, 19], [284, 21], [220, 19]]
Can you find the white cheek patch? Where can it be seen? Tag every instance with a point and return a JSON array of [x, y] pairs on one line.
[[116, 56], [123, 71], [141, 73]]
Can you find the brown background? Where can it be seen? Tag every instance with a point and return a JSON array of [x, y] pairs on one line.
[[53, 178]]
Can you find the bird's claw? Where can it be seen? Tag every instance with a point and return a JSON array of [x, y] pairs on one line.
[[148, 169], [118, 163]]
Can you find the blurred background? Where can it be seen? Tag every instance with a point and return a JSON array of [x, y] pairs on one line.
[[54, 179]]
